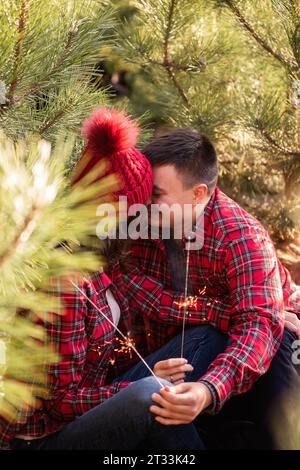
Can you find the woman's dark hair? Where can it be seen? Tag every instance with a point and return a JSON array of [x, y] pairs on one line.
[[191, 153], [117, 252]]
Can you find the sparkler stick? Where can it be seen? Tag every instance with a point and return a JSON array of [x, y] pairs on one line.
[[185, 305], [126, 339]]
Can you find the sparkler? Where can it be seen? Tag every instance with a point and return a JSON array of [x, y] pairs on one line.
[[191, 300], [127, 341], [189, 239]]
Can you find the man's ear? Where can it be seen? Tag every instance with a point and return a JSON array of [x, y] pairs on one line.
[[200, 193]]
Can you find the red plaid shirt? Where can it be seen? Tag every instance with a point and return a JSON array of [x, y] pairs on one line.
[[85, 342], [246, 292]]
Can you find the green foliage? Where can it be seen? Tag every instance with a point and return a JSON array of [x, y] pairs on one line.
[[180, 53], [43, 225], [49, 82], [47, 63], [231, 71]]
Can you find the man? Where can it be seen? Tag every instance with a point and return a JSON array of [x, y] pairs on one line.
[[237, 285]]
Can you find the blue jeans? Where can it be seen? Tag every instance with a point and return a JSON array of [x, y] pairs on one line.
[[124, 422], [201, 346], [245, 421], [242, 423], [251, 420]]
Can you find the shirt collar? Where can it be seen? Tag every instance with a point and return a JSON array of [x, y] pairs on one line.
[[101, 281]]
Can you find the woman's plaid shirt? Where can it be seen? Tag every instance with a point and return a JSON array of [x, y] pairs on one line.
[[240, 287], [85, 342]]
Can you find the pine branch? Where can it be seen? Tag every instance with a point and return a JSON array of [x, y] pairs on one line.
[[20, 236], [167, 64], [261, 41], [18, 48], [177, 85], [172, 64], [37, 86], [166, 61], [272, 141], [52, 121], [39, 214], [168, 32], [268, 138]]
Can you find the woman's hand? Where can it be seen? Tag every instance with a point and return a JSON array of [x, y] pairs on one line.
[[173, 369]]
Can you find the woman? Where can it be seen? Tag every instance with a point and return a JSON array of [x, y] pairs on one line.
[[85, 409]]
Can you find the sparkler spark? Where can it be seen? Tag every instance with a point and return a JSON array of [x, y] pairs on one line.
[[191, 300], [125, 338], [126, 346], [202, 291]]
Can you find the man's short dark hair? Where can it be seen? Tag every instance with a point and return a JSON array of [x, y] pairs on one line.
[[191, 153]]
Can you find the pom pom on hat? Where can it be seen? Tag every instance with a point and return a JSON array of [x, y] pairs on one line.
[[108, 132]]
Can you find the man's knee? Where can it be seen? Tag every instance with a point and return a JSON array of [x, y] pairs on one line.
[[282, 374], [141, 391], [286, 349]]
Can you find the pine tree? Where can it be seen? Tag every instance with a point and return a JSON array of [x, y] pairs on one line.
[[178, 48], [231, 71], [43, 224], [49, 82], [271, 113]]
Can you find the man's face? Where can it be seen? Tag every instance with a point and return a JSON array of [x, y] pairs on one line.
[[168, 187], [169, 190]]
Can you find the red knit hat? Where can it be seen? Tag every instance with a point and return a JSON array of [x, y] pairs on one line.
[[111, 136]]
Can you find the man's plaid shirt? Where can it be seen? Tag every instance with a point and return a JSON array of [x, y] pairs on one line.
[[240, 288]]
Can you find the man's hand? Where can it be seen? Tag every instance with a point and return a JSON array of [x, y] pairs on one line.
[[181, 404], [173, 369], [292, 322]]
